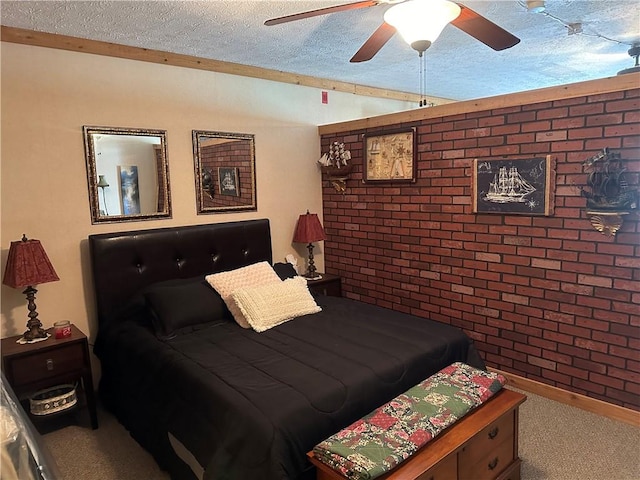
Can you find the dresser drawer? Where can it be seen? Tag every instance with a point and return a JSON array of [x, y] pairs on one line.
[[42, 365], [512, 472], [491, 465], [446, 469], [488, 439]]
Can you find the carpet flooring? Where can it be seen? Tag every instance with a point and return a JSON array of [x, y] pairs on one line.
[[557, 442]]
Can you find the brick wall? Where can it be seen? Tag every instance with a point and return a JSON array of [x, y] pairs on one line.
[[160, 172], [547, 298], [236, 154]]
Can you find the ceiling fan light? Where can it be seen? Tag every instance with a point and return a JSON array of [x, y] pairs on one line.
[[420, 22]]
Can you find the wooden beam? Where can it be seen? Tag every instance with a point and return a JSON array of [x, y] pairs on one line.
[[75, 44], [591, 87]]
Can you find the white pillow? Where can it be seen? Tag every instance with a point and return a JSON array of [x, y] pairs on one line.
[[269, 305], [225, 283]]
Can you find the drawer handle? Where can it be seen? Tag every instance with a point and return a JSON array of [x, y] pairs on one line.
[[49, 364], [493, 463], [493, 433]]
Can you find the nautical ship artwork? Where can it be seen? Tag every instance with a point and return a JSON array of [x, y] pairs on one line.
[[607, 188], [228, 181], [608, 195], [509, 187], [518, 186]]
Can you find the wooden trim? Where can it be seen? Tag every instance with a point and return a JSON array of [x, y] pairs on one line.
[[591, 87], [593, 405], [82, 45]]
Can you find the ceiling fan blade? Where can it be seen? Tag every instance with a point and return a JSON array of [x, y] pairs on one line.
[[484, 30], [322, 11], [374, 43]]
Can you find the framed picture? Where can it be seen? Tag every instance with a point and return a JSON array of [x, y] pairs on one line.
[[228, 181], [518, 186], [129, 189], [390, 156]]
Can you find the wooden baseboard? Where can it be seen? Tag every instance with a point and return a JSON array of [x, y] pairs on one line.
[[583, 402]]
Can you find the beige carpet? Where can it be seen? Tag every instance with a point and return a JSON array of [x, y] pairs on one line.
[[557, 442]]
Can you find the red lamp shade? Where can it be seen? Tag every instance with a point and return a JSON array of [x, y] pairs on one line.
[[28, 265], [309, 229]]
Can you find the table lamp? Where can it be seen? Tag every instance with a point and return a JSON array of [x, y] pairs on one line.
[[102, 184], [28, 265], [309, 230]]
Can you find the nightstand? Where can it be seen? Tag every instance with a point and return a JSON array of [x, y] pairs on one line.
[[327, 285], [34, 366]]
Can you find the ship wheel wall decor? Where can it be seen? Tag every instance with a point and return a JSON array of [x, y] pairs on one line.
[[608, 195]]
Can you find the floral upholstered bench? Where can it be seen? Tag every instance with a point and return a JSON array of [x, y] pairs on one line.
[[456, 424]]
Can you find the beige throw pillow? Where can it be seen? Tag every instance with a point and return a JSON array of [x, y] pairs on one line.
[[225, 283], [269, 305]]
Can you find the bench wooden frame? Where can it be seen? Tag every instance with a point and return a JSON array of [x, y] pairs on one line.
[[483, 445]]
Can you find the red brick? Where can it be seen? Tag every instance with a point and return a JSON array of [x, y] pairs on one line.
[[606, 380], [553, 284]]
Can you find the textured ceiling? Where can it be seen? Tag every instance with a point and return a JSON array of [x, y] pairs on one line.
[[458, 66]]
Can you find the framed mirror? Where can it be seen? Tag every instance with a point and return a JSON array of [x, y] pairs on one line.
[[127, 173], [225, 167]]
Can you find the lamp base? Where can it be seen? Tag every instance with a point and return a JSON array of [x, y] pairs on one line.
[[34, 326], [34, 333], [24, 341], [313, 276], [311, 267]]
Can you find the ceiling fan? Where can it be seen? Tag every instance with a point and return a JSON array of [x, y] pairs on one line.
[[425, 14]]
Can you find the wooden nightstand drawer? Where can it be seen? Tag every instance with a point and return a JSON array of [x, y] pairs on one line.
[[35, 366], [40, 366]]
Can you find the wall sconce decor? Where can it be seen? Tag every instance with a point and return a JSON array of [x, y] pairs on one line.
[[207, 182], [28, 265], [608, 195], [309, 230], [336, 166]]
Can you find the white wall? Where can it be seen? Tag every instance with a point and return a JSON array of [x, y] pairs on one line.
[[47, 97], [115, 151]]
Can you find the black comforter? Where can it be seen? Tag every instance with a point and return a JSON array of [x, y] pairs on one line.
[[250, 405]]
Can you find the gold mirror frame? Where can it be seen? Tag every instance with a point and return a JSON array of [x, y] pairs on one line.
[[127, 174], [225, 166]]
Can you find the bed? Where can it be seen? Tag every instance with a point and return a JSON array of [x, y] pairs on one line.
[[212, 400]]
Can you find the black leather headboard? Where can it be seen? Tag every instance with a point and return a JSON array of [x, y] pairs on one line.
[[122, 263]]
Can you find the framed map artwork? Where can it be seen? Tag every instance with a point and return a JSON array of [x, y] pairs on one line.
[[390, 156]]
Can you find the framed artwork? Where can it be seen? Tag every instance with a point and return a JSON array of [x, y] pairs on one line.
[[129, 189], [519, 186], [228, 181], [390, 156]]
